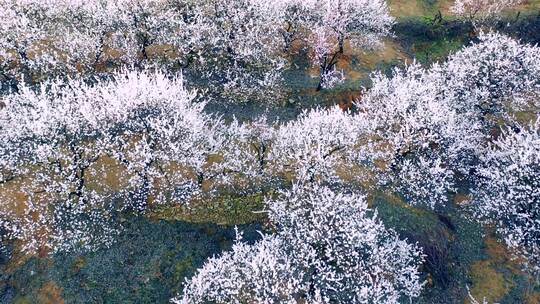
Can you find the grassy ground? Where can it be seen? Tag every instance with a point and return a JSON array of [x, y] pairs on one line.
[[148, 264]]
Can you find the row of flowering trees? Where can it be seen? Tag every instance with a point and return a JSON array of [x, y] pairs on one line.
[[66, 138], [83, 155], [231, 49], [469, 125]]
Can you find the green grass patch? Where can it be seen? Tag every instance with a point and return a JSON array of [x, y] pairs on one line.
[[428, 52]]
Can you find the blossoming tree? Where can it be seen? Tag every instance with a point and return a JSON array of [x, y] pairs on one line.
[[327, 249]]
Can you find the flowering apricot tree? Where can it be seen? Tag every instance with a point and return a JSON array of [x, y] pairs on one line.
[[327, 249], [361, 22], [236, 49]]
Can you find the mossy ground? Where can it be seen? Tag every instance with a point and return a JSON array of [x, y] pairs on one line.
[[226, 210]]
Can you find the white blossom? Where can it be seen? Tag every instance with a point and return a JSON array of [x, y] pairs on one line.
[[482, 8], [311, 146], [232, 47]]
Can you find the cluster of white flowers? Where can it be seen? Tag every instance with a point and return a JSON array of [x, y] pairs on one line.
[[413, 132], [327, 249], [326, 25], [508, 191], [248, 153], [474, 300], [482, 8], [311, 146], [361, 22]]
